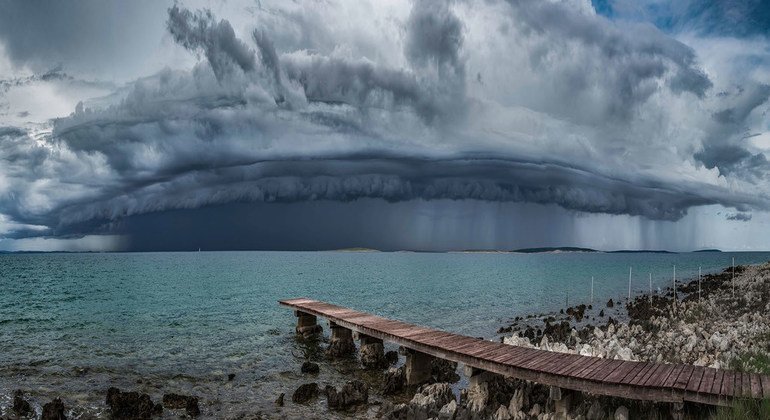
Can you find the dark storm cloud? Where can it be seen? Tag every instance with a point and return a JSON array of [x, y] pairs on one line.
[[254, 123], [200, 31], [725, 146], [639, 54], [740, 217]]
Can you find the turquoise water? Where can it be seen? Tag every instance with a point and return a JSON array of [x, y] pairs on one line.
[[74, 324]]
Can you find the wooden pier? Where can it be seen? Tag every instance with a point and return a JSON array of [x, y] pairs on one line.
[[659, 382]]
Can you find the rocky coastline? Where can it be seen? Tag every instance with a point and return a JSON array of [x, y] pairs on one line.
[[711, 327]]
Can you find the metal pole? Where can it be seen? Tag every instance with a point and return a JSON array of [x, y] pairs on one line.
[[675, 300], [650, 286], [592, 290], [629, 283], [733, 277], [699, 284]]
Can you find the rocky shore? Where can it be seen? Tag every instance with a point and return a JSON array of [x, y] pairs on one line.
[[717, 328], [714, 327]]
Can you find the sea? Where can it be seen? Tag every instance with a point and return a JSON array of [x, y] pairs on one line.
[[72, 325]]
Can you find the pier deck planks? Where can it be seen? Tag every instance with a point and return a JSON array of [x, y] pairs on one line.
[[635, 380]]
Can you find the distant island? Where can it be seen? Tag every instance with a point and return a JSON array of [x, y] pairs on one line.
[[554, 249]]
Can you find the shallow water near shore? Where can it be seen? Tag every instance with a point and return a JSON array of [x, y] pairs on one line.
[[74, 324]]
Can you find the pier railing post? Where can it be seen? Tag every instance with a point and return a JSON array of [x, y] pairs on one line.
[[307, 324], [341, 341], [418, 367]]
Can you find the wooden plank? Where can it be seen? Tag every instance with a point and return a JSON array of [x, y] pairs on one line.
[[765, 386], [707, 382], [572, 362], [599, 365], [621, 372], [611, 366], [638, 366], [694, 382], [746, 381], [683, 378], [756, 386], [543, 360], [659, 377], [640, 374], [671, 380], [728, 384], [716, 386]]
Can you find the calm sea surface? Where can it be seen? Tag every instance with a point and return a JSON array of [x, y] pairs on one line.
[[74, 324]]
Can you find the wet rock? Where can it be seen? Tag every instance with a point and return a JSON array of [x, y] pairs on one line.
[[54, 410], [176, 401], [305, 393], [352, 393], [595, 412], [373, 356], [601, 313], [503, 330], [621, 413], [279, 400], [394, 381], [391, 357], [20, 406], [310, 367], [131, 405], [449, 411], [610, 303], [230, 376], [429, 400], [444, 371]]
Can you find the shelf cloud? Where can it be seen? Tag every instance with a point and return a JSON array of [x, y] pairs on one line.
[[520, 101]]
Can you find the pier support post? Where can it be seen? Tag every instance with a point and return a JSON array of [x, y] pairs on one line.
[[307, 324], [372, 352], [418, 367], [477, 376], [341, 341], [562, 399]]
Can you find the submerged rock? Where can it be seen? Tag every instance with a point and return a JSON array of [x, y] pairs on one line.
[[131, 405], [352, 393], [54, 410], [20, 406], [610, 303], [310, 367], [279, 400], [176, 401], [305, 393]]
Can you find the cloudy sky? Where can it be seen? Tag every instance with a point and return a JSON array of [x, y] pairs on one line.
[[426, 125]]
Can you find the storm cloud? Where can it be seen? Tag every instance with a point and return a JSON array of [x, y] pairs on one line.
[[515, 101]]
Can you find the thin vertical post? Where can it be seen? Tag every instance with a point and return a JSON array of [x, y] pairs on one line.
[[650, 287], [733, 282], [699, 274], [629, 283], [675, 300], [592, 290]]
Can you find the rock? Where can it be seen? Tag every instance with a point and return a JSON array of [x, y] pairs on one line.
[[601, 313], [501, 414], [444, 370], [20, 406], [391, 357], [352, 393], [53, 410], [230, 376], [394, 381], [310, 367], [621, 413], [131, 405], [305, 393], [189, 403], [610, 303], [279, 400], [429, 400], [448, 411], [595, 412], [535, 411], [373, 356]]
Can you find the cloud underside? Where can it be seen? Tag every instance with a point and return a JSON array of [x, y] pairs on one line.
[[258, 121]]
